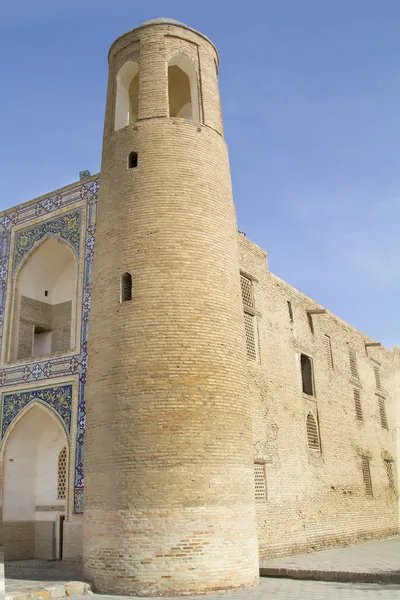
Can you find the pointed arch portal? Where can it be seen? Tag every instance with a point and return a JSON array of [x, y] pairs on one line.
[[32, 509]]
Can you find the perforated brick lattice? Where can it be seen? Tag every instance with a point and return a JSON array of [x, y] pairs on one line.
[[62, 474], [247, 292], [357, 403], [389, 470], [259, 482], [353, 363], [382, 412], [328, 350], [312, 432], [377, 378], [366, 476], [250, 336]]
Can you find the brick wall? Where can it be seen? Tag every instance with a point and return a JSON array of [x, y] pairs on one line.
[[72, 543], [32, 312], [19, 540], [61, 327], [56, 318], [45, 540], [317, 498]]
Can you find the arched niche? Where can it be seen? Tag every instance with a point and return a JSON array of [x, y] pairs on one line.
[[127, 97], [31, 507], [183, 94], [44, 320]]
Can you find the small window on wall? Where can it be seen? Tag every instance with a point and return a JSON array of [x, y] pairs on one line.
[[377, 377], [260, 481], [250, 319], [357, 403], [126, 287], [390, 474], [62, 474], [382, 413], [312, 433], [328, 351], [366, 475], [353, 363], [307, 375]]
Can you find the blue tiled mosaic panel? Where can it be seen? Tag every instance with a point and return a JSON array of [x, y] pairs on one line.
[[58, 398]]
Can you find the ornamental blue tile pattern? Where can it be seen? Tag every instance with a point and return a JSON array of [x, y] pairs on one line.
[[67, 227], [57, 398]]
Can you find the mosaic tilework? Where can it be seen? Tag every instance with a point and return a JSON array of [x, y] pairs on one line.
[[58, 398], [67, 227], [40, 370]]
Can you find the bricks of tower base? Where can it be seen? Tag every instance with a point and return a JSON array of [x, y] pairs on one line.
[[169, 496]]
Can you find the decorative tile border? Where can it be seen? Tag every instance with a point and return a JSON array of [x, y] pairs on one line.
[[66, 227], [58, 398], [37, 371]]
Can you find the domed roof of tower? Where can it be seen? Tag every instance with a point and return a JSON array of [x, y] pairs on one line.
[[163, 21]]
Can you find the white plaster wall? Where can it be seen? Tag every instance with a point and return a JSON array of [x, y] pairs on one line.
[[31, 465]]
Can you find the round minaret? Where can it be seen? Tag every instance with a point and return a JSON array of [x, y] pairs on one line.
[[169, 496]]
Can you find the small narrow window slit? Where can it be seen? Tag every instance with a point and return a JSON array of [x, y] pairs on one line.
[[133, 160], [126, 287]]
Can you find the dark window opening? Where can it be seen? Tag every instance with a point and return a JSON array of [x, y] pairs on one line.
[[133, 160], [126, 287], [307, 375], [290, 311], [310, 322], [46, 293]]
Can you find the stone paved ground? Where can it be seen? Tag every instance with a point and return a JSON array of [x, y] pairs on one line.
[[288, 589], [381, 556]]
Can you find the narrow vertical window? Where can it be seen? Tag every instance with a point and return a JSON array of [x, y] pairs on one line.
[[353, 363], [260, 481], [290, 309], [357, 404], [310, 322], [328, 351], [382, 413], [366, 475], [250, 320], [62, 474], [183, 92], [377, 377], [126, 287], [312, 433], [127, 96], [307, 375], [133, 160]]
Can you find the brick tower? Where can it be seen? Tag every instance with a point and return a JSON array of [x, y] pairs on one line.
[[169, 505]]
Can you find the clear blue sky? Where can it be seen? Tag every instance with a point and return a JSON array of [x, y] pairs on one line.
[[311, 100]]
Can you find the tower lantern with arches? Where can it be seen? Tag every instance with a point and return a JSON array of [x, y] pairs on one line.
[[169, 490]]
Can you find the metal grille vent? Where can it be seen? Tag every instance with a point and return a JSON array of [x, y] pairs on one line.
[[366, 475], [382, 412], [357, 403], [353, 363], [312, 432], [247, 292], [377, 378], [249, 325], [62, 474], [259, 482], [328, 351]]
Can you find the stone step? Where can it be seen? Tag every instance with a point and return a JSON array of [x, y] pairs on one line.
[[387, 577], [48, 591]]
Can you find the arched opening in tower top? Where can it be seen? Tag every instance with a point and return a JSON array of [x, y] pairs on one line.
[[182, 88], [127, 99]]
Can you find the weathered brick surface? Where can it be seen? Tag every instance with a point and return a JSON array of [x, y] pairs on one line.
[[19, 540], [317, 499], [169, 494], [45, 540]]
